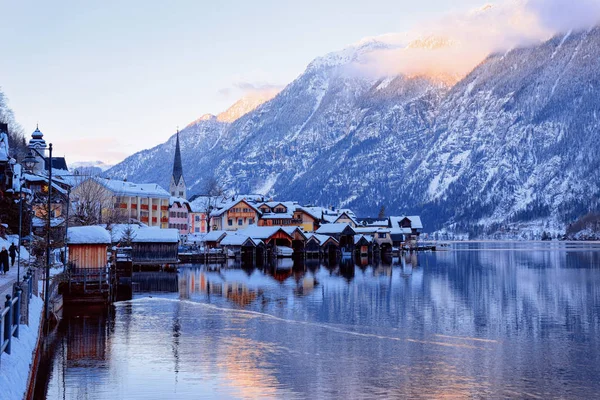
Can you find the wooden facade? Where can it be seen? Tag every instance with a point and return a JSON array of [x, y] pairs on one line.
[[238, 216], [90, 256], [151, 253]]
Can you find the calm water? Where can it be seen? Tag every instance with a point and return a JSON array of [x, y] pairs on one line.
[[498, 320]]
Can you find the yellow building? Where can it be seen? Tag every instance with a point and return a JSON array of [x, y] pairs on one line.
[[147, 203]]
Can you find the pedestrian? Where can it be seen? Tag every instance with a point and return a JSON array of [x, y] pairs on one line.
[[4, 260], [12, 251]]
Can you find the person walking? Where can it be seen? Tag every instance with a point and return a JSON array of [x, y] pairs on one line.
[[12, 251], [4, 260]]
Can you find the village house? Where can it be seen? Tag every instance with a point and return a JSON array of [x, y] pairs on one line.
[[342, 232], [287, 214], [406, 229], [234, 216], [155, 246], [321, 245], [179, 210], [198, 218], [147, 203]]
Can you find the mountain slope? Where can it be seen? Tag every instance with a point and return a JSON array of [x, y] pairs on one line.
[[512, 141]]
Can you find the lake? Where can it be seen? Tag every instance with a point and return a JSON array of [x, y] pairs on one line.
[[480, 320]]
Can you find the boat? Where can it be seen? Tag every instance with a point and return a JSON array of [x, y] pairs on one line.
[[284, 251]]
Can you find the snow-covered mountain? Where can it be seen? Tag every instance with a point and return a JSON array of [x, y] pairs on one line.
[[102, 166], [511, 142]]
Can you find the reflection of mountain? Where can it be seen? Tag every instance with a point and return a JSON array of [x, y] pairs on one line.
[[466, 323]]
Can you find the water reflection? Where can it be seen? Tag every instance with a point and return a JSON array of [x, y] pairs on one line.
[[480, 320]]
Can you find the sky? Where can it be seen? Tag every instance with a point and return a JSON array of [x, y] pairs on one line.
[[105, 79]]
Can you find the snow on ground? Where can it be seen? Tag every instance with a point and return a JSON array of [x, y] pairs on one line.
[[14, 368]]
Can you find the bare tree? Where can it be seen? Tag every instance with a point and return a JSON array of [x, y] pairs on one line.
[[92, 204], [214, 194]]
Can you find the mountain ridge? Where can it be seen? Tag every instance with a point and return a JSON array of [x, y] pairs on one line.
[[507, 143]]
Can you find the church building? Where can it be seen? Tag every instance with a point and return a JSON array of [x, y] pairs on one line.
[[177, 186], [179, 208]]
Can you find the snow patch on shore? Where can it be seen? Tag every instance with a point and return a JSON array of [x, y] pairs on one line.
[[14, 368]]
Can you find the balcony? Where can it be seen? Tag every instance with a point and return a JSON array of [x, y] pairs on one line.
[[164, 208], [134, 206], [120, 205], [164, 219], [154, 220], [144, 206], [154, 207], [144, 219]]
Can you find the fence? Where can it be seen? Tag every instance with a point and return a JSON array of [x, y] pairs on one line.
[[15, 312]]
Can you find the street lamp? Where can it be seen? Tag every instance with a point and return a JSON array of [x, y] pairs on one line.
[[18, 168], [30, 162]]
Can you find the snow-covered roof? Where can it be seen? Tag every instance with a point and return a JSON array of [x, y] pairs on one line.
[[415, 221], [320, 238], [261, 232], [368, 238], [181, 202], [332, 228], [213, 236], [93, 234], [367, 229], [315, 212], [350, 216], [133, 189], [400, 231], [156, 235], [235, 239], [35, 178], [229, 205]]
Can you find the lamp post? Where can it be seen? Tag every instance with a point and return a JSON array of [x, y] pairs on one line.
[[30, 161], [20, 222], [64, 260]]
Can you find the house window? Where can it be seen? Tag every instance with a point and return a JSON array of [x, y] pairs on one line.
[[230, 222], [185, 227], [240, 222], [197, 230], [180, 193], [197, 218], [251, 221], [382, 235]]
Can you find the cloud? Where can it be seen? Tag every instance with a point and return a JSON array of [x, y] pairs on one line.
[[449, 48], [562, 15]]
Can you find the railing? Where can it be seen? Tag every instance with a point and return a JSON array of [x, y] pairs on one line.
[[154, 220], [164, 219], [144, 206], [91, 279], [10, 316], [134, 206], [164, 208], [154, 207]]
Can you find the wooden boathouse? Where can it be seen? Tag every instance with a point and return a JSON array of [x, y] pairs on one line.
[[88, 273], [155, 247]]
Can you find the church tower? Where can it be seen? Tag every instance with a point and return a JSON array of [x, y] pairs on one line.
[[177, 186]]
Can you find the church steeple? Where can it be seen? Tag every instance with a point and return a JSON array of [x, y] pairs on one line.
[[177, 187]]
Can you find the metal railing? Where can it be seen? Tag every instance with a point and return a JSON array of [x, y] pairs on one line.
[[10, 316], [90, 279]]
